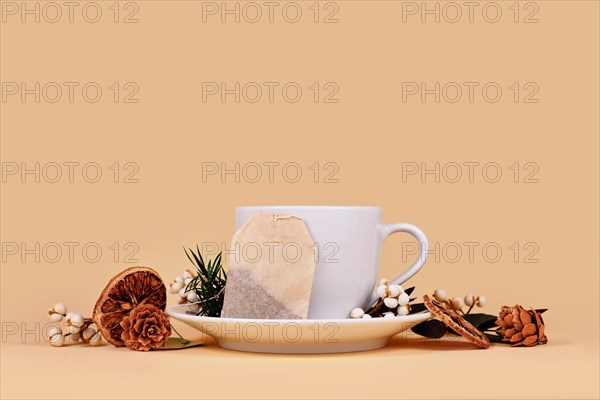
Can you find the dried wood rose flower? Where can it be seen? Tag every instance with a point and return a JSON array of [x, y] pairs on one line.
[[145, 328]]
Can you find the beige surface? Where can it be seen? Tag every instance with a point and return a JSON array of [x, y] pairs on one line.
[[368, 134], [408, 368]]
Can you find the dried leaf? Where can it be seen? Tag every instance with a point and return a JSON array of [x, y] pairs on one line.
[[417, 307], [495, 335], [433, 329], [495, 338], [176, 343], [481, 321]]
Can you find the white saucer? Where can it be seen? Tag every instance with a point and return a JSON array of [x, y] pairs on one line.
[[298, 335]]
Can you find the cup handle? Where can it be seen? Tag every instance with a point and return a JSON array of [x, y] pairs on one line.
[[418, 234], [423, 246]]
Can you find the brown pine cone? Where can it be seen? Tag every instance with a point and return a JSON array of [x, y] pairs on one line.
[[521, 327], [145, 328]]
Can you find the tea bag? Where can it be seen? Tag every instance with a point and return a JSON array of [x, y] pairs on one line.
[[270, 275]]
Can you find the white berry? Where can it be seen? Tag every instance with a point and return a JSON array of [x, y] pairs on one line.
[[357, 313], [388, 314], [192, 297], [182, 293], [176, 287], [383, 281], [402, 310], [187, 281], [179, 279], [469, 300], [53, 330], [366, 316], [76, 320], [457, 303], [481, 301], [440, 294], [72, 338], [390, 302], [89, 332], [403, 299], [96, 339], [74, 329], [57, 340], [382, 291], [68, 318], [60, 308], [395, 290], [187, 275], [55, 317]]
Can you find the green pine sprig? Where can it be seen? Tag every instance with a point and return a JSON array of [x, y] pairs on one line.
[[209, 283]]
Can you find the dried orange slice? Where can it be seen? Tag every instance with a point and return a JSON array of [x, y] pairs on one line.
[[458, 324], [125, 291]]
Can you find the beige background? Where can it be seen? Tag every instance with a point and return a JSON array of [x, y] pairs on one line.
[[369, 133]]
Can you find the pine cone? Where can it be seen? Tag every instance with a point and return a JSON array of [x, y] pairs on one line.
[[521, 327], [145, 328]]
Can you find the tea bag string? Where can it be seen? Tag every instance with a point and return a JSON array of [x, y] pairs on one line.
[[277, 217]]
